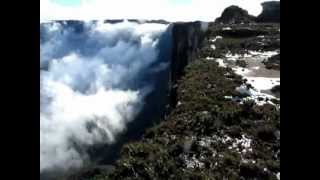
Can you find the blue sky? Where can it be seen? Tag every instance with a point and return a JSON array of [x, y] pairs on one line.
[[172, 10]]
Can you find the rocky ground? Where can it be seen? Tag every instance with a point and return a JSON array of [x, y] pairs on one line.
[[226, 124]]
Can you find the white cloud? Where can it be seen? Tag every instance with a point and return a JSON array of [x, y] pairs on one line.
[[86, 86], [205, 10]]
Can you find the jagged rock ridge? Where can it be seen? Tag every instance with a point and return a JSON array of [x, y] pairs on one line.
[[236, 15]]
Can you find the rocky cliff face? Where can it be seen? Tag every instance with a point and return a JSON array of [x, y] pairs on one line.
[[270, 12], [186, 43]]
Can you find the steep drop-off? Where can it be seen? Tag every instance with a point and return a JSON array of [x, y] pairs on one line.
[[186, 43]]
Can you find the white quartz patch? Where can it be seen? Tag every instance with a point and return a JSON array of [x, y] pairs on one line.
[[226, 28], [258, 55], [221, 63], [216, 38], [241, 71], [233, 57], [263, 54]]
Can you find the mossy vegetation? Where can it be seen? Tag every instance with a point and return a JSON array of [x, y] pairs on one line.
[[166, 149]]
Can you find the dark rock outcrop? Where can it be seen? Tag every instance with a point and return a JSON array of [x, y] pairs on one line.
[[276, 91], [235, 15], [270, 12]]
